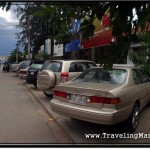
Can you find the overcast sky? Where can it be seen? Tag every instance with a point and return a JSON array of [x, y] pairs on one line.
[[7, 33]]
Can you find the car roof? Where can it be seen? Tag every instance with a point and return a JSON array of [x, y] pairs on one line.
[[70, 61], [120, 66], [38, 61]]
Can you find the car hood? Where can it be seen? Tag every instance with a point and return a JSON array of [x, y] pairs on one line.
[[25, 69]]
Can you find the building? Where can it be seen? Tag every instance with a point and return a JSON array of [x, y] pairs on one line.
[[48, 46], [91, 49], [99, 45], [3, 58], [58, 49]]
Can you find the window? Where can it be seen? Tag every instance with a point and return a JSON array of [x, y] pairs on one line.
[[118, 76], [144, 75], [74, 67], [91, 65], [36, 66], [54, 66], [136, 77], [77, 67], [80, 66], [99, 75]]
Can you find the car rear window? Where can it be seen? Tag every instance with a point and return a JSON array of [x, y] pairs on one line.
[[36, 66], [25, 64], [99, 75], [54, 66], [80, 66]]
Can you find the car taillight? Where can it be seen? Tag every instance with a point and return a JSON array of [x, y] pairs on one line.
[[64, 76], [60, 94], [96, 99]]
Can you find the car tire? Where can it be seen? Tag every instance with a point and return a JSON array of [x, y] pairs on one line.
[[35, 84], [48, 95], [132, 122]]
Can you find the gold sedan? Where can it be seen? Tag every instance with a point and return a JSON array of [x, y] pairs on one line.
[[104, 96]]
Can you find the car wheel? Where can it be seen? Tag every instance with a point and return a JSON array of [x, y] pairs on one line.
[[132, 121], [35, 84], [48, 95]]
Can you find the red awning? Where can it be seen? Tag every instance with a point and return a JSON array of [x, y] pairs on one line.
[[101, 38]]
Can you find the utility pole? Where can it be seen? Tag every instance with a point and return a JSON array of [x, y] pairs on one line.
[[29, 46], [28, 37], [17, 54]]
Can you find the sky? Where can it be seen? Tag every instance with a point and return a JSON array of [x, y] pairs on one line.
[[8, 22]]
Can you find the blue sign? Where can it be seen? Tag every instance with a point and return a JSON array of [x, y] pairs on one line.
[[76, 42], [67, 48]]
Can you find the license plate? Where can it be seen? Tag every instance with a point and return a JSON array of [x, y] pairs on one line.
[[80, 99], [32, 73]]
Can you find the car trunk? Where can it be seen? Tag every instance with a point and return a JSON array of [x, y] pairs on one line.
[[86, 89]]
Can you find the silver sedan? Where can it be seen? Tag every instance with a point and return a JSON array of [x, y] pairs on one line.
[[104, 96]]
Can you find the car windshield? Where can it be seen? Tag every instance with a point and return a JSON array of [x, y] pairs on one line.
[[36, 66], [54, 66], [99, 75], [25, 63]]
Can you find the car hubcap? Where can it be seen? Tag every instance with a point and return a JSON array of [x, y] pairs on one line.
[[135, 117]]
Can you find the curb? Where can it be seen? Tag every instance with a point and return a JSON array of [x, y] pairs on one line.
[[49, 114]]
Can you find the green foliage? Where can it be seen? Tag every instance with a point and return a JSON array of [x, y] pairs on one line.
[[44, 57], [54, 19], [12, 57], [142, 56], [115, 51], [6, 5]]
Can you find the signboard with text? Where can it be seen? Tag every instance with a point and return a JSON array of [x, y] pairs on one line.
[[102, 34]]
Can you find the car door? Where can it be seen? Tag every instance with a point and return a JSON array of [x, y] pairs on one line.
[[146, 82], [140, 87]]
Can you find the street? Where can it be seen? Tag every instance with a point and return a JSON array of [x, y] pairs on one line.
[[22, 119], [26, 117]]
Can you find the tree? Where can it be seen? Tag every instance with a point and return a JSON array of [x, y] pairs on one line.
[[58, 17], [141, 57], [121, 14], [31, 26], [6, 5], [12, 57]]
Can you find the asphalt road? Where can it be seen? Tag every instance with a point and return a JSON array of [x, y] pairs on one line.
[[22, 119]]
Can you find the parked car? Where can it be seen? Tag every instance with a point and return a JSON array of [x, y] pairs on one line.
[[104, 96], [22, 73], [32, 72], [24, 64], [14, 67], [60, 71], [6, 66]]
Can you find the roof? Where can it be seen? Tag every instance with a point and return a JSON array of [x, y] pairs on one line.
[[124, 65], [72, 60]]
